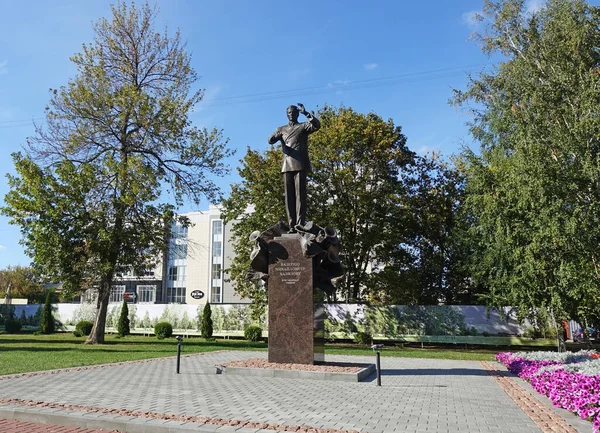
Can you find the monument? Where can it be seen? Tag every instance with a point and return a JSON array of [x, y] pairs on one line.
[[297, 260]]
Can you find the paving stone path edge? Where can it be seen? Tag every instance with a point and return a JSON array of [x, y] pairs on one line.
[[22, 408], [545, 418], [70, 408]]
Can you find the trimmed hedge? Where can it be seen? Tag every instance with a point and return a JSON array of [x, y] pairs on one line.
[[206, 328], [163, 330], [12, 326], [83, 328], [123, 325], [253, 333]]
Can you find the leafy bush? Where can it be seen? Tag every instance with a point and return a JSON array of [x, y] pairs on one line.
[[363, 337], [84, 327], [123, 325], [206, 328], [163, 330], [47, 325], [253, 333], [12, 326]]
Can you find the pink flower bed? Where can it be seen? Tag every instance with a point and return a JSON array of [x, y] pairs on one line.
[[576, 392]]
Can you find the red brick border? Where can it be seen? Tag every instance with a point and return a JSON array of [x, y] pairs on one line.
[[547, 420], [170, 417]]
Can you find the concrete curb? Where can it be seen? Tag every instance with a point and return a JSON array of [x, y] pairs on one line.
[[298, 374]]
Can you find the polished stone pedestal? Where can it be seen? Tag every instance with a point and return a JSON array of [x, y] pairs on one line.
[[295, 312]]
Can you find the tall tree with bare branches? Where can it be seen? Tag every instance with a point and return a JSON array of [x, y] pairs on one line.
[[92, 187]]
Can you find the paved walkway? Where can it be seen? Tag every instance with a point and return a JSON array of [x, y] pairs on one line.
[[16, 426], [417, 395]]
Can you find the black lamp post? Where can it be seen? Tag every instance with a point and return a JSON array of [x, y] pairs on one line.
[[179, 341], [377, 348]]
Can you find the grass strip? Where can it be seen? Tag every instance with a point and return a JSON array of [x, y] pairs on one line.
[[22, 353]]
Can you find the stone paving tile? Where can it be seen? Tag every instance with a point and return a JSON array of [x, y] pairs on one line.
[[416, 395], [16, 426]]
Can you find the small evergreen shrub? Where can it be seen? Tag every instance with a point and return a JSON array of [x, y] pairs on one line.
[[363, 337], [206, 328], [163, 330], [12, 326], [253, 333], [123, 325], [47, 325], [82, 328]]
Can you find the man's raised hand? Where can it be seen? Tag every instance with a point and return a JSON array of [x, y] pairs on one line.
[[302, 109]]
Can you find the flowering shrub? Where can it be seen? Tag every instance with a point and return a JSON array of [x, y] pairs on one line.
[[569, 380]]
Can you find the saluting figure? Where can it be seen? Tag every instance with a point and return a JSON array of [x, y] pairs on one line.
[[296, 166]]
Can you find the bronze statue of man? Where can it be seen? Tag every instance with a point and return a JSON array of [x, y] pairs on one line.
[[296, 165]]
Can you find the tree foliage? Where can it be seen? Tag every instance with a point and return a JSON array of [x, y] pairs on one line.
[[206, 327], [47, 322], [533, 189], [90, 194], [356, 186], [123, 324], [23, 283], [431, 268]]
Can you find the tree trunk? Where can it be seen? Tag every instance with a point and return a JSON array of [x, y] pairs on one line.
[[97, 334]]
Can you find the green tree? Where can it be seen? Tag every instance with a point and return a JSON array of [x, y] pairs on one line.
[[185, 321], [206, 328], [87, 194], [356, 186], [123, 325], [533, 188], [434, 266], [47, 322], [23, 283]]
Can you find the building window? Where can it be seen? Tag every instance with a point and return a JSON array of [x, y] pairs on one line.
[[216, 295], [176, 295], [217, 249], [173, 273], [179, 231], [216, 271], [217, 227], [178, 251], [149, 273], [146, 294], [116, 294]]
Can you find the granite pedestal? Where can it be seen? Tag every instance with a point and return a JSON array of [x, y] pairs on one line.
[[295, 311]]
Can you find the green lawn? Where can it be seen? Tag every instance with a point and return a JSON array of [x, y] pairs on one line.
[[25, 352]]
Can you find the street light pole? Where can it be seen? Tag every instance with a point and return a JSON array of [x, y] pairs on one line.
[[377, 348], [179, 341]]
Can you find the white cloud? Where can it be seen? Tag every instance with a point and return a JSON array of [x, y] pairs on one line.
[[472, 18], [2, 247], [3, 69], [370, 66], [534, 6]]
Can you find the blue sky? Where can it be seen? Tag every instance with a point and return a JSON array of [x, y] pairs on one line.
[[399, 59]]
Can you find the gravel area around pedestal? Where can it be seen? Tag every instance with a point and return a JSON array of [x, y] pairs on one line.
[[326, 367]]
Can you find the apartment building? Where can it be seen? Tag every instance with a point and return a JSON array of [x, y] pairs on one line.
[[191, 270]]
